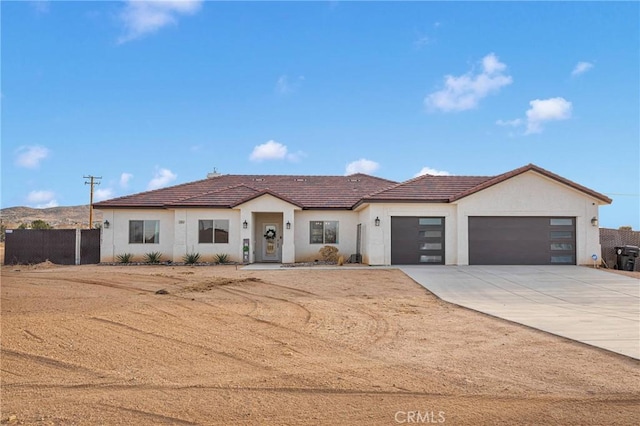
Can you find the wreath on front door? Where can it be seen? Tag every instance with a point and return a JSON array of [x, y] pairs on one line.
[[270, 234]]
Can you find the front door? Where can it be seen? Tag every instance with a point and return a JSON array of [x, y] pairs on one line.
[[270, 243]]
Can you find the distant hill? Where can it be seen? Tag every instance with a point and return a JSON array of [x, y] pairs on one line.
[[59, 217]]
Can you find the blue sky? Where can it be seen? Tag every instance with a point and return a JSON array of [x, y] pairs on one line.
[[148, 94]]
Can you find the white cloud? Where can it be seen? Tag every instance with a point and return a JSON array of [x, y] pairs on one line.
[[102, 194], [40, 6], [162, 177], [432, 172], [542, 110], [581, 68], [285, 85], [362, 166], [464, 92], [125, 178], [273, 150], [142, 17], [42, 199], [510, 123], [31, 156]]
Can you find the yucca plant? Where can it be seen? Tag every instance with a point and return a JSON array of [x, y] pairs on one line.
[[191, 258], [153, 257], [221, 258], [124, 258]]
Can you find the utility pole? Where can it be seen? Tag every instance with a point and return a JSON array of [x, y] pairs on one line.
[[93, 180]]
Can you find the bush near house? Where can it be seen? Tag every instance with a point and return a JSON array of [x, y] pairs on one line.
[[221, 258], [329, 253], [153, 257], [124, 258], [191, 258]]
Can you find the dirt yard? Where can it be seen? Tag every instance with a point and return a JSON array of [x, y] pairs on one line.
[[90, 345]]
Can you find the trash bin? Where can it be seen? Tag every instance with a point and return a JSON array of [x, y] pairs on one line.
[[626, 257]]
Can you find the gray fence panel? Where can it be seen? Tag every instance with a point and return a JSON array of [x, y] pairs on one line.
[[89, 246]]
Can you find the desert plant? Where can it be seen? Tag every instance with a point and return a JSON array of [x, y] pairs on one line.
[[329, 253], [221, 258], [153, 257], [124, 258], [191, 258]]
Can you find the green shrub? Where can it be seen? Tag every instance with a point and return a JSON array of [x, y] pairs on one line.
[[191, 258], [153, 257], [221, 258], [124, 258]]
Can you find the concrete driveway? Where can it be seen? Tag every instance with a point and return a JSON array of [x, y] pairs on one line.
[[591, 306]]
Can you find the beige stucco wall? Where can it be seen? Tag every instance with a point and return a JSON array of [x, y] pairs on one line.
[[347, 225], [186, 234], [531, 194], [115, 240], [378, 238]]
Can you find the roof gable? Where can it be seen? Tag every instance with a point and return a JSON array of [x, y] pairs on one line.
[[531, 167]]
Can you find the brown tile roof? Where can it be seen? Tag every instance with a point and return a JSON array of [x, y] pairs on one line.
[[428, 188], [308, 192], [324, 192]]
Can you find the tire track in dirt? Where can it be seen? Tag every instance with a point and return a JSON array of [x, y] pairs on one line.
[[181, 342], [385, 333], [609, 398], [330, 343], [299, 306], [154, 417], [49, 362]]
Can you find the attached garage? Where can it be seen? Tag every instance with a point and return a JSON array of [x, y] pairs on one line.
[[417, 240], [512, 240]]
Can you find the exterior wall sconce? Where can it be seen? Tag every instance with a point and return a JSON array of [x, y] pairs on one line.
[[288, 225], [245, 224], [377, 221], [106, 224], [594, 221]]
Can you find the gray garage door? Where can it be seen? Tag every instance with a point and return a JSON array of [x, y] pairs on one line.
[[417, 240], [522, 240]]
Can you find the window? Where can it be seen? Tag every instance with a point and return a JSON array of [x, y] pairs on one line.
[[323, 232], [144, 232], [213, 231], [561, 246], [561, 234], [562, 259], [430, 234], [430, 259], [430, 221], [561, 221], [430, 246]]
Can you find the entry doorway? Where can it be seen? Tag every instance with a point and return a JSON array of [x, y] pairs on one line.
[[271, 243]]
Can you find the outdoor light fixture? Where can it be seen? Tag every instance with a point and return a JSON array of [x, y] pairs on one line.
[[245, 224], [594, 221], [106, 224], [377, 221], [288, 225]]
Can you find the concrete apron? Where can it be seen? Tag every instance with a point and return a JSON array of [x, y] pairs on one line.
[[591, 306]]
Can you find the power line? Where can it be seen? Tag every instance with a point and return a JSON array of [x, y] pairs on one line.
[[93, 180]]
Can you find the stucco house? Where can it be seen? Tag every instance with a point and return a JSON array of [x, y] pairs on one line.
[[525, 216]]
